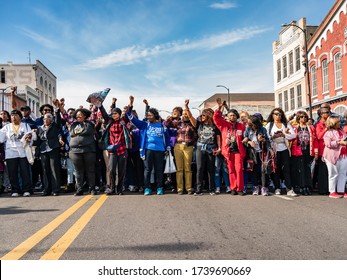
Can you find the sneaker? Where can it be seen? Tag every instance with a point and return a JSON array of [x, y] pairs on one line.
[[232, 192], [198, 193], [108, 191], [15, 194], [335, 195], [147, 191], [217, 190], [26, 194], [132, 188], [212, 193], [190, 192], [344, 195], [180, 192], [264, 191], [277, 192], [283, 185], [241, 193], [256, 190], [227, 189], [291, 193], [160, 191]]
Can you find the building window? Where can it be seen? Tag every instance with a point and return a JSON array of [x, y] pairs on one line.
[[297, 59], [278, 70], [284, 62], [2, 76], [325, 75], [338, 70], [341, 109], [45, 84], [41, 81], [314, 80], [299, 95], [292, 99], [280, 102], [291, 63], [286, 101], [49, 87]]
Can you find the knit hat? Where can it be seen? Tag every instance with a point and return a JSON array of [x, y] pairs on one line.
[[235, 112], [116, 110]]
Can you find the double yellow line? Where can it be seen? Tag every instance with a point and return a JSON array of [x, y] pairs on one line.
[[58, 249]]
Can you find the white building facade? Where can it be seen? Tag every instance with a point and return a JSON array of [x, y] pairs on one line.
[[289, 70]]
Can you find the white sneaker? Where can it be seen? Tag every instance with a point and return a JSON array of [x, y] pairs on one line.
[[277, 192], [291, 193], [256, 190], [15, 194], [264, 191], [132, 188], [26, 194]]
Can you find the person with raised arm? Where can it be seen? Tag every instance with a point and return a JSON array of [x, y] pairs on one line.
[[155, 142], [232, 147], [183, 148]]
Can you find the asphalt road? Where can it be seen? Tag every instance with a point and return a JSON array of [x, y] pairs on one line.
[[173, 227]]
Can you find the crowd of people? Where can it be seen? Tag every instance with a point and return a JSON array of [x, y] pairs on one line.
[[113, 151]]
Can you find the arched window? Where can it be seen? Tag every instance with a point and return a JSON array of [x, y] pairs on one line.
[[49, 87], [341, 109], [325, 75], [314, 80], [338, 70], [41, 81], [45, 84]]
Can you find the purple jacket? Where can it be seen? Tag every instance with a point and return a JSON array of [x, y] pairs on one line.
[[332, 149]]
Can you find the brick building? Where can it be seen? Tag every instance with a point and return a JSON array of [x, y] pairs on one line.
[[327, 51]]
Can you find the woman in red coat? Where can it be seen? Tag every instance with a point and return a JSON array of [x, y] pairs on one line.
[[323, 187], [304, 149], [232, 148]]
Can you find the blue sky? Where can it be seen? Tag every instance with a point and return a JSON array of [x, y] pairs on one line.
[[165, 51]]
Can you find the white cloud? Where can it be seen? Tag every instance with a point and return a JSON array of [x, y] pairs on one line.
[[39, 38], [223, 5], [135, 54]]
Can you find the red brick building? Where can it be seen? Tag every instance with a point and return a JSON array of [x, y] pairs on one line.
[[327, 51]]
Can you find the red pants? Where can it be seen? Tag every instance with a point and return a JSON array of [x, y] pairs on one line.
[[235, 166]]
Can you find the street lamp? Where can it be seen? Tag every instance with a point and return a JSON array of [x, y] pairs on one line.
[[3, 97], [228, 94], [307, 69]]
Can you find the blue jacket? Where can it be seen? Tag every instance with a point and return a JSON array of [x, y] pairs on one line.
[[143, 127]]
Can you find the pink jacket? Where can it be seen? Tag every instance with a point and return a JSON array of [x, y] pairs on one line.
[[332, 149]]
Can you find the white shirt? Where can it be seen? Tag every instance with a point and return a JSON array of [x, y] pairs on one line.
[[281, 145], [12, 134]]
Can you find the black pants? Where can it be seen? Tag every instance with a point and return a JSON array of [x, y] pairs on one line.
[[117, 166], [154, 159], [301, 170], [84, 164], [323, 182], [137, 172], [51, 171], [19, 164], [205, 162], [282, 165]]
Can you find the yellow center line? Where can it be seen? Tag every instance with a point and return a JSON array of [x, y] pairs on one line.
[[33, 240], [58, 249]]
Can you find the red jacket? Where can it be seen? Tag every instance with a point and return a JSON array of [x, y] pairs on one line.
[[296, 150], [320, 131], [225, 128]]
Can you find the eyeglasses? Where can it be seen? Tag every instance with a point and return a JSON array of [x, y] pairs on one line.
[[277, 114], [303, 117], [325, 112]]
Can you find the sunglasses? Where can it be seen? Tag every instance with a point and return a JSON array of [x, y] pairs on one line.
[[303, 117], [277, 114], [325, 112]]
